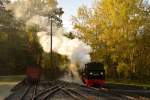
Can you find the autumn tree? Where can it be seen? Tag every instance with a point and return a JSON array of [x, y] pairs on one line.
[[116, 29]]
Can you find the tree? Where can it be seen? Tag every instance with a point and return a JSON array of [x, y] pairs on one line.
[[20, 47], [13, 43], [113, 28]]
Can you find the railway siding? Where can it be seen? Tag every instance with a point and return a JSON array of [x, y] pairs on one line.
[[60, 90]]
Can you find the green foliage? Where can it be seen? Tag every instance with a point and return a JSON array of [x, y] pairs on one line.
[[20, 45], [57, 68], [122, 68], [18, 49], [13, 44]]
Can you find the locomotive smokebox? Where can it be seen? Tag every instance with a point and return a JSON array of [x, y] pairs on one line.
[[94, 74]]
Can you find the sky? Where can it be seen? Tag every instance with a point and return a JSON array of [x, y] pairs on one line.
[[70, 8]]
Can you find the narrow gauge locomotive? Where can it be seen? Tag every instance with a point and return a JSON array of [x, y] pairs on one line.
[[94, 74], [33, 74]]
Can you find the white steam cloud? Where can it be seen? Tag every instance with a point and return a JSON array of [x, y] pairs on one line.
[[33, 12], [27, 8], [76, 50]]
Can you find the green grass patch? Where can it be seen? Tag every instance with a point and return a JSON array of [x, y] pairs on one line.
[[129, 82], [12, 78]]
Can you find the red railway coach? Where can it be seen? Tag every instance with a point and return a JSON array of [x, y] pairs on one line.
[[94, 74], [33, 74]]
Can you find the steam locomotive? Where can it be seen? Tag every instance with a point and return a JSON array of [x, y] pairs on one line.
[[93, 74], [33, 74], [34, 70]]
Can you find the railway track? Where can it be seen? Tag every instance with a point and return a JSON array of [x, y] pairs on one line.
[[59, 87], [60, 90], [75, 94], [25, 93], [32, 92], [103, 93], [44, 94]]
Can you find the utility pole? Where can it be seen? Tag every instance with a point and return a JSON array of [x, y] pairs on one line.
[[51, 42], [54, 17]]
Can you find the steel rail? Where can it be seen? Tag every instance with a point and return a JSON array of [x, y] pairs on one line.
[[25, 93], [48, 94], [70, 94], [34, 92], [109, 91], [58, 87], [77, 93], [55, 87]]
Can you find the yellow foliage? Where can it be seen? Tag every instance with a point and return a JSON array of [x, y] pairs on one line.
[[30, 37], [52, 3], [112, 28]]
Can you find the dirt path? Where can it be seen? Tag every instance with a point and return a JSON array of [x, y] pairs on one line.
[[5, 89]]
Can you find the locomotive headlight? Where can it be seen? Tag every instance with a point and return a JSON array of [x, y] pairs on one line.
[[101, 73], [91, 73]]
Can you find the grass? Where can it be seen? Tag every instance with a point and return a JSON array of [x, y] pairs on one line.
[[130, 82], [13, 78]]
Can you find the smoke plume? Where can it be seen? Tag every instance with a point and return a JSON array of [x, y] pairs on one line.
[[33, 12], [76, 50]]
